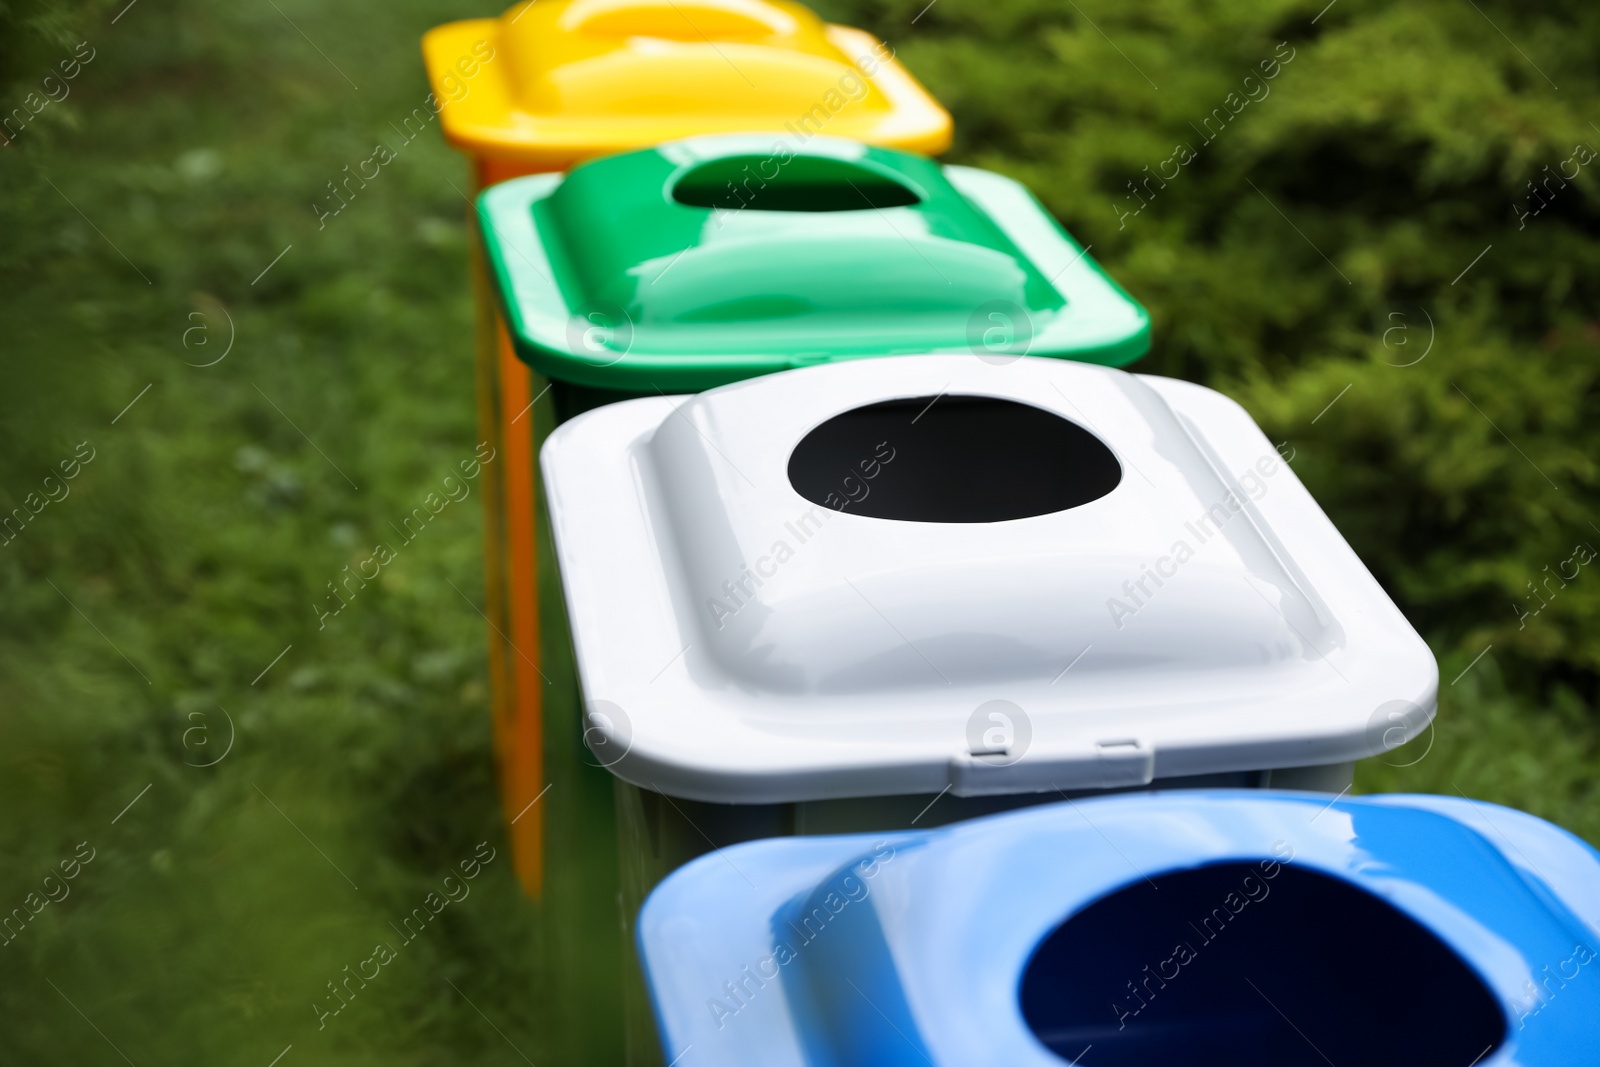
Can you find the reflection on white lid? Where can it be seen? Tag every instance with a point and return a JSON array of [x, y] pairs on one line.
[[1125, 559]]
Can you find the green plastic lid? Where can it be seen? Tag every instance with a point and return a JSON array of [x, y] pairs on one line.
[[714, 259]]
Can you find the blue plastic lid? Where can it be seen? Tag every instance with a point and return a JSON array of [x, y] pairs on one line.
[[1225, 927]]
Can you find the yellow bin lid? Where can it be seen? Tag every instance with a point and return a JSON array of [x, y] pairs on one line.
[[554, 82]]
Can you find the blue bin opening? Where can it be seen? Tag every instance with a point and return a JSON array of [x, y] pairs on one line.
[[1246, 964]]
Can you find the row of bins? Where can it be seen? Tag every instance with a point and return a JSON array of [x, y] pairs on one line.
[[900, 688]]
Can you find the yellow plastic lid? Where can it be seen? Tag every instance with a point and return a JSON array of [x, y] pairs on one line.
[[554, 82]]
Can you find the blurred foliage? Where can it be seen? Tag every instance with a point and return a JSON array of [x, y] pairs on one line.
[[1345, 255], [33, 32], [139, 613], [1320, 237], [1373, 225]]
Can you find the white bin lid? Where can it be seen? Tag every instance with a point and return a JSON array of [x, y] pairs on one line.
[[739, 642]]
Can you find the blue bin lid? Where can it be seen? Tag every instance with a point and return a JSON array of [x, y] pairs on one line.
[[1234, 927]]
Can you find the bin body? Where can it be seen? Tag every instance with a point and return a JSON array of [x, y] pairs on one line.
[[547, 86], [1208, 927]]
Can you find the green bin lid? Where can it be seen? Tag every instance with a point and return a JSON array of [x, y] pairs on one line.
[[710, 260]]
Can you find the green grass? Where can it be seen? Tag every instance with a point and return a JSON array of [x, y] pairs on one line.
[[146, 605], [191, 550]]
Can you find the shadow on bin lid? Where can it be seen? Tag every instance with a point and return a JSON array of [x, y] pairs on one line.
[[812, 584], [720, 258], [559, 81], [1246, 929]]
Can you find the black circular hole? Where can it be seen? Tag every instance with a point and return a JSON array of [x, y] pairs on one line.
[[952, 459], [803, 183]]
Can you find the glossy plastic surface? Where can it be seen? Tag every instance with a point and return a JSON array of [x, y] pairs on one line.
[[552, 83], [913, 948], [1202, 616], [629, 273]]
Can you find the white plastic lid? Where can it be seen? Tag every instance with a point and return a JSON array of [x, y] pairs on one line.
[[917, 625]]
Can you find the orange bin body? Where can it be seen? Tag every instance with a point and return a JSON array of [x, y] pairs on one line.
[[549, 85]]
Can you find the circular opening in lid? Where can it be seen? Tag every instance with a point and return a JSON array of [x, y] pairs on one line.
[[952, 459], [802, 183], [1255, 965]]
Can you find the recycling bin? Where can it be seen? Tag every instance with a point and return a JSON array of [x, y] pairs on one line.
[[713, 259], [551, 84], [888, 593], [716, 259], [1211, 927], [548, 85]]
